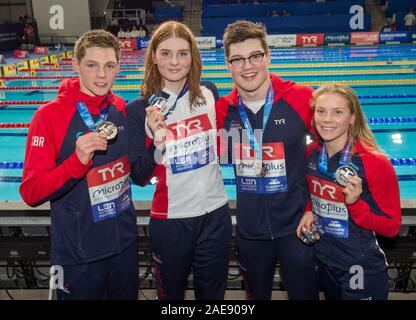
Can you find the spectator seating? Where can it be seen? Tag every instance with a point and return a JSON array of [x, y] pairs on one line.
[[396, 6], [291, 24], [165, 13], [399, 20], [210, 2], [265, 9]]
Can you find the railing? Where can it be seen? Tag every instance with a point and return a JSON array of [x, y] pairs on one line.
[[52, 39], [138, 15]]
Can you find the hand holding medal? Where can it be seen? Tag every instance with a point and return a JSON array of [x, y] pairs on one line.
[[343, 174], [102, 125], [155, 119], [101, 132], [308, 230], [87, 144], [160, 104], [108, 129], [353, 190]]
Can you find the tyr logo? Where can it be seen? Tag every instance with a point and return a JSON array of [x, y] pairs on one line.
[[321, 189], [280, 121], [125, 44], [112, 171], [310, 39], [184, 129], [267, 151]]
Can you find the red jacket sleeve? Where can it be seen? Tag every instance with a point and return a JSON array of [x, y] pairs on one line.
[[42, 178], [299, 98], [384, 188], [221, 110]]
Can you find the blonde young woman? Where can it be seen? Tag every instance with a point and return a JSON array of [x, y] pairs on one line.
[[190, 224], [354, 195]]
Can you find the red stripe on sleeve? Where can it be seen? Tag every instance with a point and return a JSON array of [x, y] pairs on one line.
[[41, 176], [160, 202], [221, 111], [120, 105], [299, 97], [384, 187]]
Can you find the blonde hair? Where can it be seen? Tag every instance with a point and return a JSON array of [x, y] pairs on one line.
[[359, 130], [242, 30], [152, 81], [96, 38]]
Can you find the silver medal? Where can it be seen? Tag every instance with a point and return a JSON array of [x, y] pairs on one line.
[[161, 104], [310, 237], [108, 128], [343, 173]]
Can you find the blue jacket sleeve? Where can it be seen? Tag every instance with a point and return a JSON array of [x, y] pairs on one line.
[[141, 148]]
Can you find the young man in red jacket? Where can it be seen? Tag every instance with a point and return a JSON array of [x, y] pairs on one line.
[[76, 158], [269, 118]]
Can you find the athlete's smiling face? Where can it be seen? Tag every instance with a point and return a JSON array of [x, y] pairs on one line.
[[333, 118], [249, 63], [97, 70], [173, 58]]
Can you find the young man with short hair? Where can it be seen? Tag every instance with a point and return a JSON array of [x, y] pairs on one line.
[[76, 158], [270, 118]]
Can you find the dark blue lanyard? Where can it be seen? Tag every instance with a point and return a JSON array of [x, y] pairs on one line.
[[266, 114], [345, 159], [86, 116], [173, 107]]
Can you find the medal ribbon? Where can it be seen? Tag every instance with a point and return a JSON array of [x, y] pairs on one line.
[[173, 107], [87, 118], [345, 159], [246, 123]]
